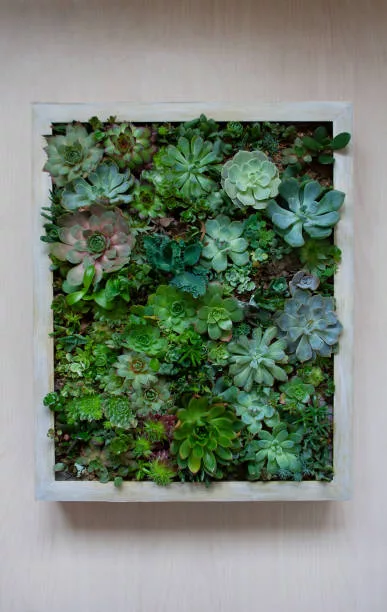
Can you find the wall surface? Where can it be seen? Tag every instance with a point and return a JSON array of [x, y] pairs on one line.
[[295, 557]]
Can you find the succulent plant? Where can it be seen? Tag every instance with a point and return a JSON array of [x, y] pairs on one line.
[[310, 325], [254, 408], [129, 145], [160, 472], [186, 166], [206, 434], [223, 241], [86, 408], [119, 412], [151, 399], [250, 179], [277, 450], [105, 186], [256, 360], [298, 390], [71, 156], [174, 309], [170, 256], [306, 213], [145, 339], [100, 238], [147, 202], [217, 314], [238, 277], [137, 369], [320, 257], [303, 280]]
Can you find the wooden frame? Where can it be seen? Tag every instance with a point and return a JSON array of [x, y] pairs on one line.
[[47, 488]]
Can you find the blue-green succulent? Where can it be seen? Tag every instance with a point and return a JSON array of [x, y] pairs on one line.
[[216, 314], [105, 185], [223, 242]]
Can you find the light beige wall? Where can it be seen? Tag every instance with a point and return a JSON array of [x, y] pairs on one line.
[[294, 557]]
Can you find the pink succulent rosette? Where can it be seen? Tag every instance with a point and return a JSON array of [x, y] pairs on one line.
[[98, 237]]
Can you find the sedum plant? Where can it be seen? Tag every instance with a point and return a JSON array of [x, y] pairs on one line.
[[98, 238], [307, 212], [206, 435], [250, 179], [310, 325], [130, 146], [217, 314], [223, 241], [71, 156], [105, 185], [256, 360]]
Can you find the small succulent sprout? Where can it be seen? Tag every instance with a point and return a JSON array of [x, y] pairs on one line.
[[187, 166], [304, 280], [297, 389], [71, 156], [250, 179], [223, 242], [306, 213], [255, 360], [174, 309], [99, 237], [310, 325], [129, 145], [205, 435], [105, 185], [278, 450], [254, 409], [217, 314], [137, 369]]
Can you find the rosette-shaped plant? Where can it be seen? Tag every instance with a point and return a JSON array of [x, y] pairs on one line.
[[153, 398], [187, 165], [100, 238], [71, 156], [174, 309], [223, 241], [129, 145], [306, 213], [217, 315], [119, 412], [310, 325], [137, 369], [278, 450], [250, 179], [256, 360], [254, 409], [104, 186], [205, 436], [145, 339]]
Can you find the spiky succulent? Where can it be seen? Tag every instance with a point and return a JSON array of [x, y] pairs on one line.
[[217, 315], [306, 212], [254, 408], [86, 408], [129, 145], [205, 436], [137, 369], [187, 166], [105, 185], [310, 325], [174, 309], [255, 360], [223, 242], [71, 156], [277, 450], [119, 412], [100, 238], [250, 179]]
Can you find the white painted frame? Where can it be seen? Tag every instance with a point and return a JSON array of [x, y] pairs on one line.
[[49, 489]]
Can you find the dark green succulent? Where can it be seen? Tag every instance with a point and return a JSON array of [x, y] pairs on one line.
[[105, 185], [119, 412], [152, 398], [206, 435], [223, 241], [320, 257], [277, 450], [145, 339], [130, 146], [216, 314], [296, 389], [310, 325], [174, 309], [71, 156], [306, 212], [86, 408], [255, 360]]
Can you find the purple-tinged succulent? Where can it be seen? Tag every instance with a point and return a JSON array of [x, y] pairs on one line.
[[99, 237]]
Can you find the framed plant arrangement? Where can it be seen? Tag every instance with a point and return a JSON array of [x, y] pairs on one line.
[[193, 309]]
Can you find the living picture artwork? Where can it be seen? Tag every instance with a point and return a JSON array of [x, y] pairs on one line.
[[193, 300]]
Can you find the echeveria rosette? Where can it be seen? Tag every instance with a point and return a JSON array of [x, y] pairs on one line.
[[255, 360], [71, 156], [250, 179], [137, 369], [310, 325], [254, 409], [174, 309], [306, 213], [130, 146], [206, 435], [216, 314], [151, 399], [99, 237], [223, 241], [275, 451], [186, 166], [105, 185], [145, 339]]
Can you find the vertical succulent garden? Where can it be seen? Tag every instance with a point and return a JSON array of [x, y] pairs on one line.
[[194, 317]]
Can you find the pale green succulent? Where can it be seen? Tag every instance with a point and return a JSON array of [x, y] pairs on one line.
[[256, 359], [223, 242], [250, 179], [129, 145], [174, 309], [310, 325], [254, 410], [136, 369], [105, 185], [217, 315], [277, 450], [306, 213], [71, 156]]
